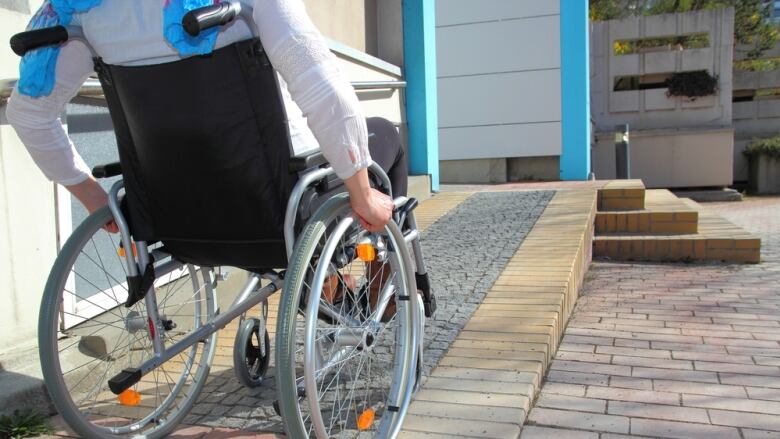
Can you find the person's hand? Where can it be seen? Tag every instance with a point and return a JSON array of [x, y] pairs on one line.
[[373, 208], [93, 197]]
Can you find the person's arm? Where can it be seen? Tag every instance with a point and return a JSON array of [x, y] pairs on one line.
[[301, 55], [37, 123]]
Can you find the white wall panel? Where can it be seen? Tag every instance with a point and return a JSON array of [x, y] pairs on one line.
[[472, 49], [526, 140], [499, 81], [452, 12], [500, 99]]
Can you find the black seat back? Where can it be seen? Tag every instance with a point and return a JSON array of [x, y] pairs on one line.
[[205, 153]]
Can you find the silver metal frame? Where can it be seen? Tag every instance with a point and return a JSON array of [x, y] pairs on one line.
[[250, 294]]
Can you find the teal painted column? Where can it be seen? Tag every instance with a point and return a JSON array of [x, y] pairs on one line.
[[419, 21], [575, 90]]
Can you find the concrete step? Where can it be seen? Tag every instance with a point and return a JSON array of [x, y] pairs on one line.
[[622, 195], [717, 240], [664, 213], [21, 382]]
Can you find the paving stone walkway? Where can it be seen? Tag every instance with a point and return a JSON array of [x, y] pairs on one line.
[[672, 350]]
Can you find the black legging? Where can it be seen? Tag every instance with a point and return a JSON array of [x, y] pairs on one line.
[[386, 150]]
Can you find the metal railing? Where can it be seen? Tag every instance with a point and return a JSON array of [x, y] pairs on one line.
[[92, 89]]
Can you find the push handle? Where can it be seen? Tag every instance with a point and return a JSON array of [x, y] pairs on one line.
[[24, 42], [107, 170], [198, 20]]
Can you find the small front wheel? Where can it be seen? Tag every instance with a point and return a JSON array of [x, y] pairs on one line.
[[251, 352]]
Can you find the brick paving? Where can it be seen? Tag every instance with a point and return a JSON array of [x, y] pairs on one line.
[[672, 350]]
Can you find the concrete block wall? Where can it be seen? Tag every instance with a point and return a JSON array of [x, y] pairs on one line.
[[671, 137], [652, 109], [757, 118]]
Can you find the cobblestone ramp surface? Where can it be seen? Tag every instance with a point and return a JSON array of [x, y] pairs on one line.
[[465, 251]]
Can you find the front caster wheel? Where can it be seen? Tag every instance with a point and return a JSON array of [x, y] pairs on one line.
[[250, 358]]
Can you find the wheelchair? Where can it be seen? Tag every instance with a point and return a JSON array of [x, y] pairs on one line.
[[128, 321]]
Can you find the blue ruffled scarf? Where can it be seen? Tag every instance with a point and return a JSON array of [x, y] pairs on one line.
[[37, 69]]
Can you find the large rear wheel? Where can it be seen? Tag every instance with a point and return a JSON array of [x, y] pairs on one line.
[[346, 338], [87, 335]]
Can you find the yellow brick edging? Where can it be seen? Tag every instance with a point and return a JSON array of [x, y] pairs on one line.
[[494, 368]]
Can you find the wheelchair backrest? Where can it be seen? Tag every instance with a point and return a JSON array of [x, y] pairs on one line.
[[205, 153]]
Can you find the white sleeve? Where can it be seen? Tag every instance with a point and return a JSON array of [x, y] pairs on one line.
[[37, 120], [300, 54]]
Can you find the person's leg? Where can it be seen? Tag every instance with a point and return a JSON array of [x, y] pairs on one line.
[[386, 150]]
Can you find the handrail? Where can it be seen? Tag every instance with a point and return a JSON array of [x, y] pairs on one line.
[[91, 87]]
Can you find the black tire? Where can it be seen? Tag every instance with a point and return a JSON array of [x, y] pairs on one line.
[[76, 355], [248, 361], [294, 403]]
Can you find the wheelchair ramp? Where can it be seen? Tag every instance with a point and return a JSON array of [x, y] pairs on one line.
[[484, 385]]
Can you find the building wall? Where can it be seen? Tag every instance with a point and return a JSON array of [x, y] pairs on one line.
[[652, 109], [351, 22], [669, 135], [28, 238], [671, 158], [499, 81], [758, 118]]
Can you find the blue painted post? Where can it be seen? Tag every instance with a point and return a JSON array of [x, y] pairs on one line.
[[575, 90], [419, 22]]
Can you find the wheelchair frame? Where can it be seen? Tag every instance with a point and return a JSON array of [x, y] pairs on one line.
[[249, 295]]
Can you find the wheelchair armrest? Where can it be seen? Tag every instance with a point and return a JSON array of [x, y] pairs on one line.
[[311, 160], [107, 170]]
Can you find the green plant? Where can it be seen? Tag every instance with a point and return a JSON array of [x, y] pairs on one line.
[[753, 26], [24, 423], [692, 84], [769, 147]]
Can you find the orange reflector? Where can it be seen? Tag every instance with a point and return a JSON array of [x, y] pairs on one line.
[[366, 252], [129, 398], [122, 252], [366, 419]]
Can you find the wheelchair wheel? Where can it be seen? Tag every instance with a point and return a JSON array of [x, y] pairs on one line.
[[346, 365], [250, 357], [87, 335]]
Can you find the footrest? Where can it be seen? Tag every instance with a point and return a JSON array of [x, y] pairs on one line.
[[124, 380]]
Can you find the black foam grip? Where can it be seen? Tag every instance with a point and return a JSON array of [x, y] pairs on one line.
[[23, 42], [198, 20], [107, 170]]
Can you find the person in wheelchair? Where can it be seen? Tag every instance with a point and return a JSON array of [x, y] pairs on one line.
[[198, 131], [322, 109]]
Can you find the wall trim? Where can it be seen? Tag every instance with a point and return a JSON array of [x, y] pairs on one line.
[[419, 20], [575, 90]]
